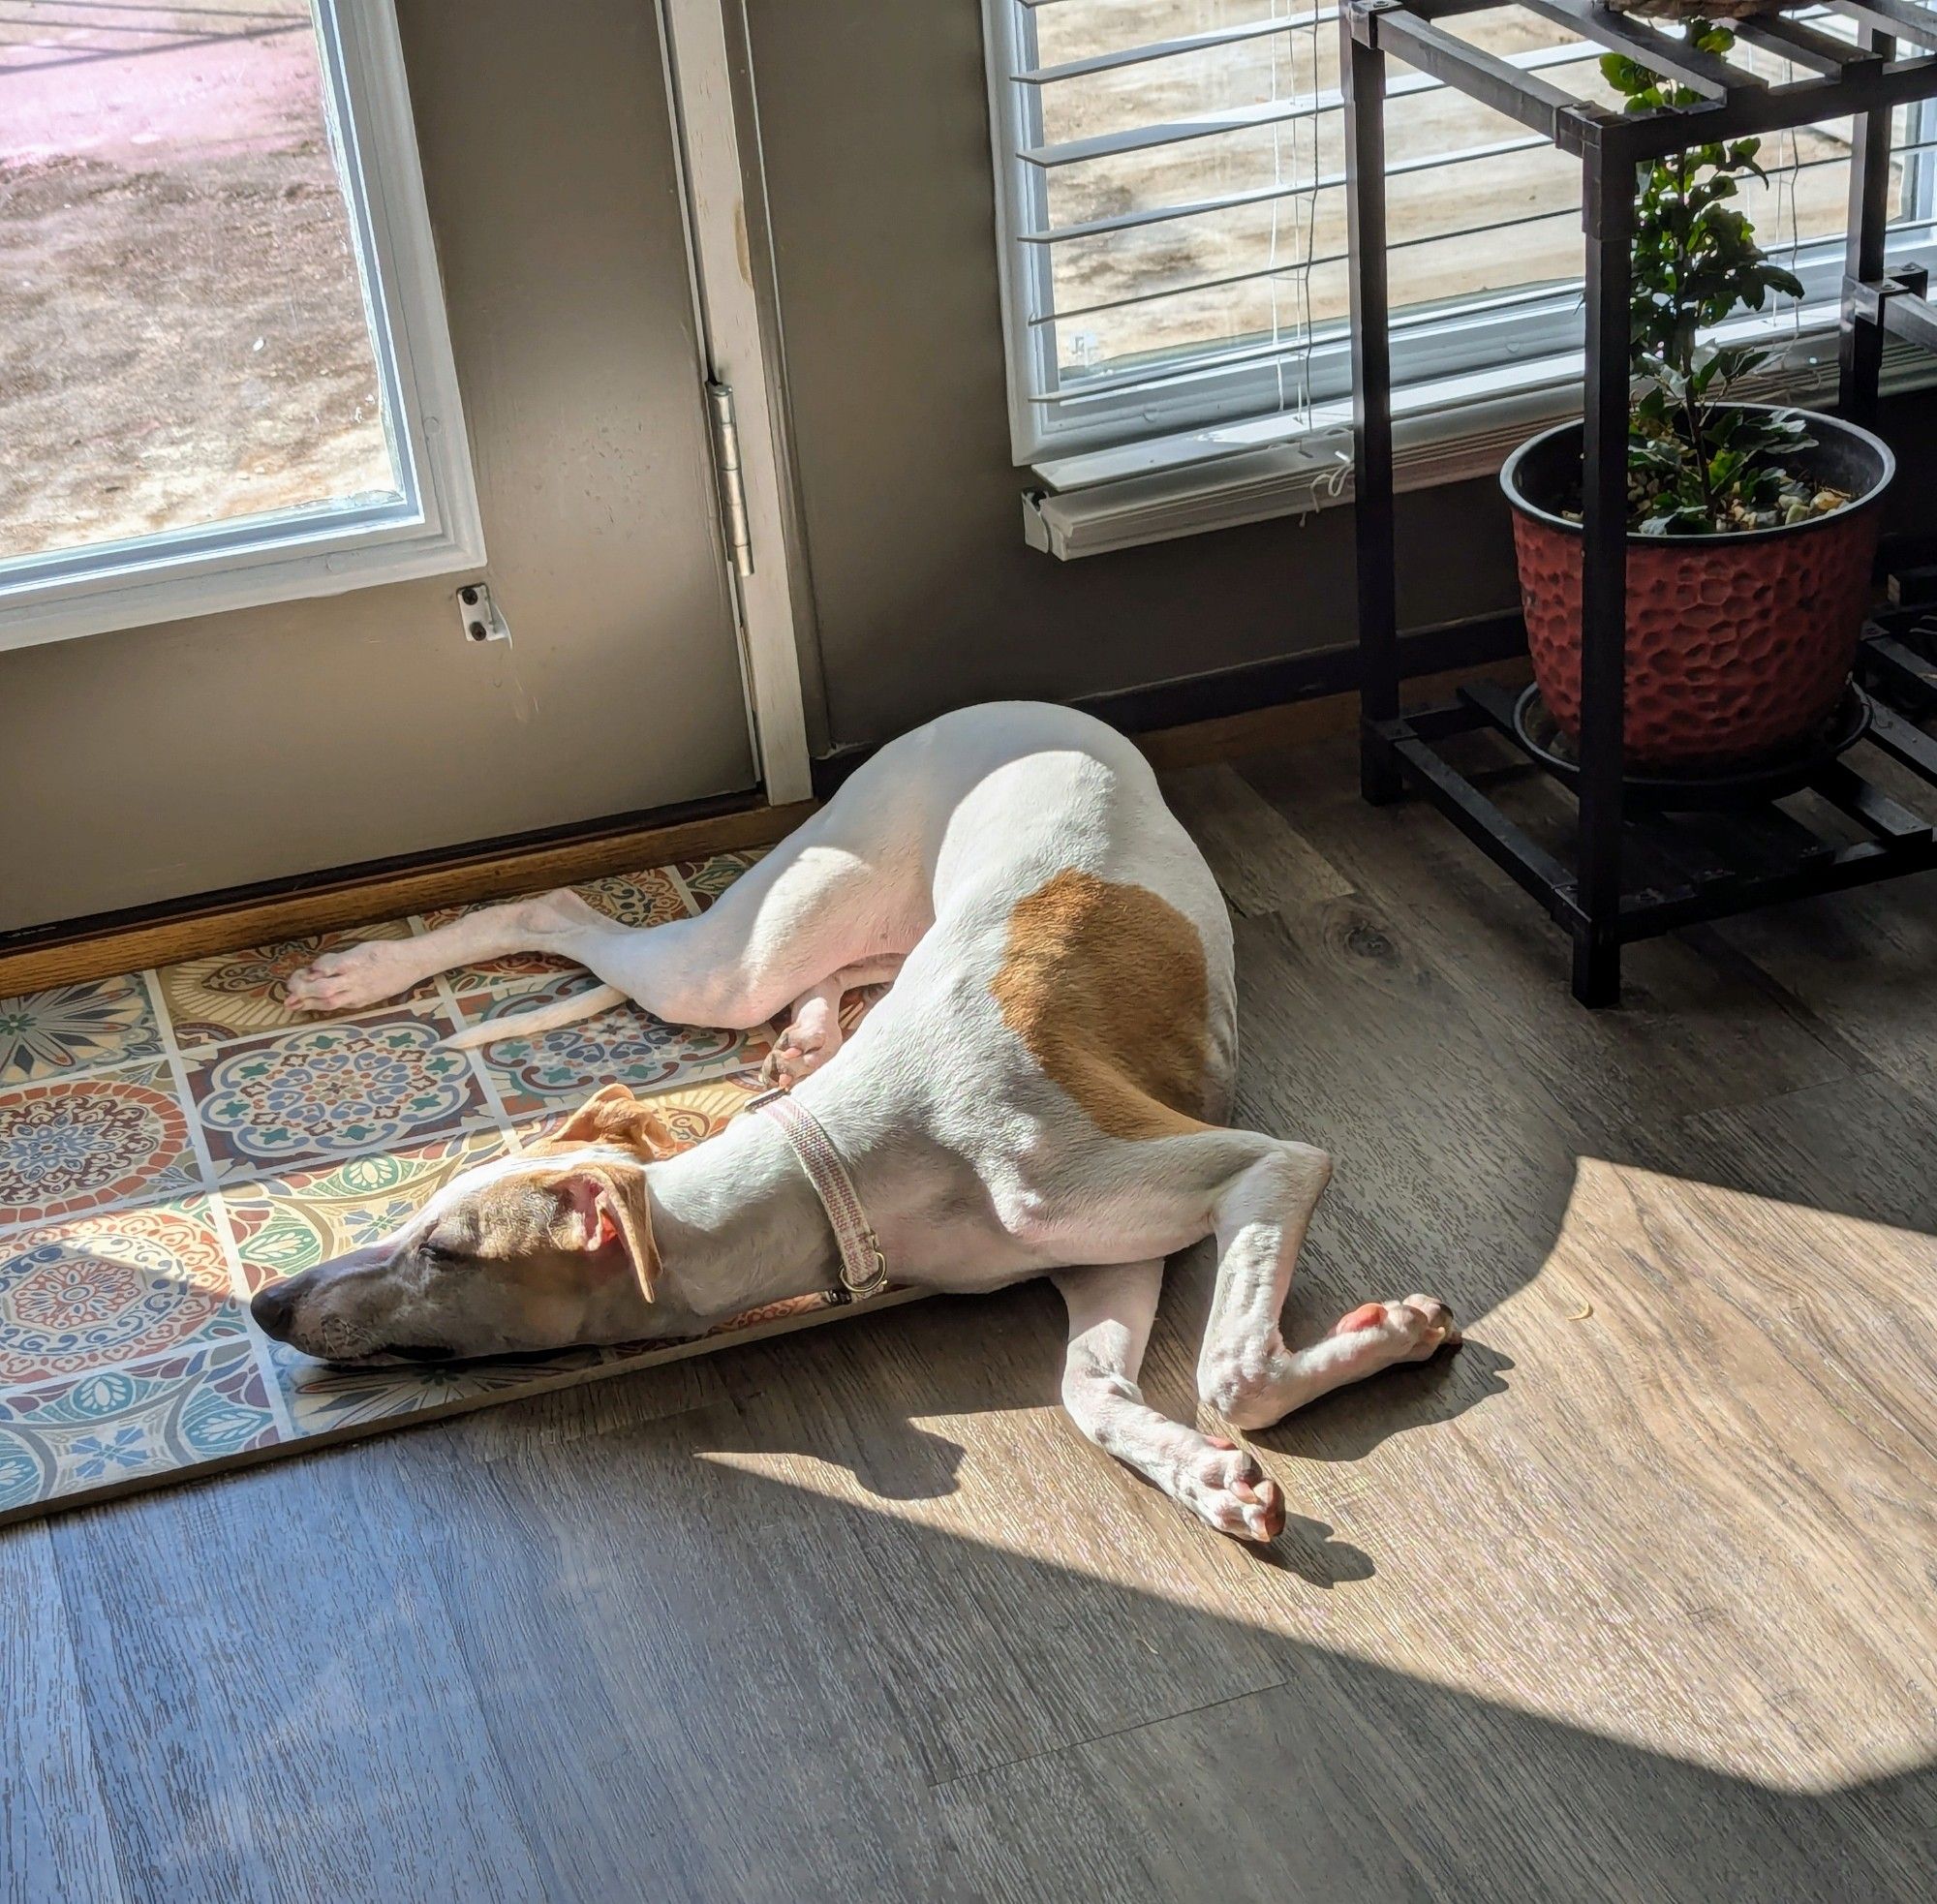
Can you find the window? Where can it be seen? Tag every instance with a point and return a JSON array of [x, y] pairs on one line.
[[225, 376], [1171, 202]]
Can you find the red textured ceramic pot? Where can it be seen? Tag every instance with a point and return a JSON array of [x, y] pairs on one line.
[[1739, 645]]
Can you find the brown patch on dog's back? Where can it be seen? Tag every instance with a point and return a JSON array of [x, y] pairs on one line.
[[1106, 986]]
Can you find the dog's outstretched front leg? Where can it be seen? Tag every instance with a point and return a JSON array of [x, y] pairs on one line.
[[1246, 1370], [1110, 1315]]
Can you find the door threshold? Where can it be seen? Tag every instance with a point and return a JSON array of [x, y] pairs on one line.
[[71, 951]]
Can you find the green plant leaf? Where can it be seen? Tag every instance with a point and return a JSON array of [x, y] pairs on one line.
[[1693, 458]]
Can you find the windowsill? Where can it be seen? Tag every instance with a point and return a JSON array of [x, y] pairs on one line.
[[309, 560], [1447, 431]]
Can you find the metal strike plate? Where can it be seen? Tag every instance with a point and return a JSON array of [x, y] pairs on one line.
[[477, 614]]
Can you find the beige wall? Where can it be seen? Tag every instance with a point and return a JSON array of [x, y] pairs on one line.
[[874, 119], [144, 765], [140, 766]]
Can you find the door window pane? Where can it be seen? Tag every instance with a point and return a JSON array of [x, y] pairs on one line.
[[185, 330]]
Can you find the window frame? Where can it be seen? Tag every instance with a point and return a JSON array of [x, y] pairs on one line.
[[1476, 336], [288, 556]]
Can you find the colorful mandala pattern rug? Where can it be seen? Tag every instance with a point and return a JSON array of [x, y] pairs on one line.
[[172, 1140]]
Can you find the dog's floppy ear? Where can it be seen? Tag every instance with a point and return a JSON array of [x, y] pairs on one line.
[[612, 1115], [603, 1208]]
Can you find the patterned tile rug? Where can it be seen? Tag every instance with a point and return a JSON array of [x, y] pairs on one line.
[[171, 1140]]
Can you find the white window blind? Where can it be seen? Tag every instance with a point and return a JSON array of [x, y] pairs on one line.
[[1172, 212]]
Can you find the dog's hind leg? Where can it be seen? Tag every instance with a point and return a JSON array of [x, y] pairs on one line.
[[1110, 1313], [847, 887], [850, 888], [558, 922], [851, 884], [1246, 1368]]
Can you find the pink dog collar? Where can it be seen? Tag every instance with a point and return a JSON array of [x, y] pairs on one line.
[[864, 1270]]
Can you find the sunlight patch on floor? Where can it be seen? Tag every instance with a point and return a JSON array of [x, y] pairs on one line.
[[1697, 1519]]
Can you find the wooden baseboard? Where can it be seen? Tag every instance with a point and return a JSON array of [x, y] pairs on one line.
[[1279, 702], [1297, 723], [98, 948]]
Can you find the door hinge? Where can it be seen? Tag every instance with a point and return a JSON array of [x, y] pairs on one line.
[[733, 519]]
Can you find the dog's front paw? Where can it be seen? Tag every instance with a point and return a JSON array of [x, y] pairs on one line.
[[1410, 1331], [1227, 1487]]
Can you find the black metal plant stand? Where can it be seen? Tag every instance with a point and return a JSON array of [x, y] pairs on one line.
[[1637, 871]]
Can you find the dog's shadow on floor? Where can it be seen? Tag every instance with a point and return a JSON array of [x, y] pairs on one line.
[[1351, 1423], [1308, 1549], [893, 1458], [866, 1398]]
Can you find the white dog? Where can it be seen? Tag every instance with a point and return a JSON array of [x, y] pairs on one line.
[[1039, 1093]]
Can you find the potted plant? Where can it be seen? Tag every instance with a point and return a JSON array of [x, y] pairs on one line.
[[1752, 529]]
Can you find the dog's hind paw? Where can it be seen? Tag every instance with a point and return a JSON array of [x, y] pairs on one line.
[[797, 1055], [358, 975]]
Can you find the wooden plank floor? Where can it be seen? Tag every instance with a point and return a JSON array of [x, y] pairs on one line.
[[1630, 1599]]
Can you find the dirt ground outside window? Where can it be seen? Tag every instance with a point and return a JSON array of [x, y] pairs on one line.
[[1437, 255], [182, 328]]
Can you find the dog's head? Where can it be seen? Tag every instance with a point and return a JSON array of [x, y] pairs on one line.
[[536, 1252]]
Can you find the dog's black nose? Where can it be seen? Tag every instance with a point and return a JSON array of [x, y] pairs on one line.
[[272, 1306]]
